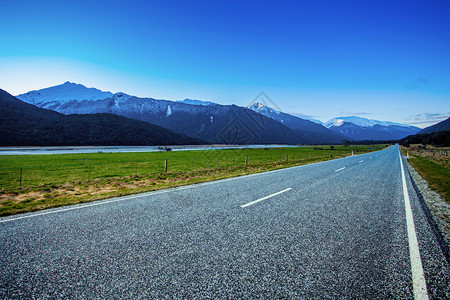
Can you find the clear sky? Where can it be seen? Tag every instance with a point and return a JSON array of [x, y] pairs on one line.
[[386, 60]]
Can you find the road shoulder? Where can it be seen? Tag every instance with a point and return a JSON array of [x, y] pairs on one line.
[[438, 208]]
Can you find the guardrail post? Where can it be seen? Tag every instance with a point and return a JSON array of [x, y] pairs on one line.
[[165, 165]]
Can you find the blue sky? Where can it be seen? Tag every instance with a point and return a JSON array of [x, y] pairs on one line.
[[386, 60]]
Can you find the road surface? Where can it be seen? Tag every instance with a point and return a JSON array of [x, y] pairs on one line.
[[335, 229]]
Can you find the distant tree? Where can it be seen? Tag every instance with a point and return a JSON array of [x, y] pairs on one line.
[[345, 143], [332, 147]]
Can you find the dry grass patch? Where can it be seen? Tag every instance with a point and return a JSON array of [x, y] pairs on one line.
[[433, 164]]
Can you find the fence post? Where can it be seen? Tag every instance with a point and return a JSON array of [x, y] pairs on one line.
[[20, 178], [246, 160], [89, 173], [287, 157], [165, 165]]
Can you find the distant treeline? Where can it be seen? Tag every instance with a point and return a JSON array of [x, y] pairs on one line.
[[438, 139], [368, 142]]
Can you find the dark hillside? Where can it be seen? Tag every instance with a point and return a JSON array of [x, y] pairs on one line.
[[441, 126]]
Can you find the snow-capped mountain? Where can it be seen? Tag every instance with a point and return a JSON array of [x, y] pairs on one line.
[[63, 93], [266, 111], [263, 109], [277, 115], [357, 128], [322, 134], [363, 122]]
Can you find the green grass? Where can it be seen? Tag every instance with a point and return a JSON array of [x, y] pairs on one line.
[[437, 176], [38, 170], [64, 179]]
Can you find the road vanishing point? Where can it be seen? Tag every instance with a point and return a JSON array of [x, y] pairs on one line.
[[350, 228]]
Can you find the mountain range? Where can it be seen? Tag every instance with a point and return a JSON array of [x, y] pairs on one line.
[[214, 123], [358, 129], [297, 124], [23, 124]]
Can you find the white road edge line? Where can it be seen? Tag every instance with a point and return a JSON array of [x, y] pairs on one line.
[[418, 277], [340, 169], [264, 198]]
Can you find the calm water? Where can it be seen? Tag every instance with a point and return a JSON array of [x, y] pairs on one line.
[[117, 149]]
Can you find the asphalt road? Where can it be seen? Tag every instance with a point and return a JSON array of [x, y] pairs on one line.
[[335, 229]]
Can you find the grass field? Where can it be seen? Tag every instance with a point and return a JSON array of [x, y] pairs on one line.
[[433, 165], [35, 182]]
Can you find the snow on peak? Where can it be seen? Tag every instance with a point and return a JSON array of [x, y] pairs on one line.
[[64, 92], [169, 111], [196, 102], [363, 122], [262, 109]]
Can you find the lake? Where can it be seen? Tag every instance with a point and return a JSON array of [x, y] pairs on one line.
[[118, 149]]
